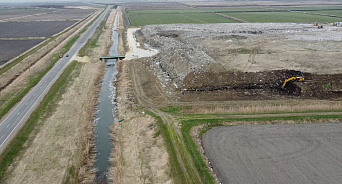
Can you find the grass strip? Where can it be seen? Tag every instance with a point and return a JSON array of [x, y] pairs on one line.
[[176, 171], [34, 81], [14, 148], [201, 167], [178, 111], [92, 42]]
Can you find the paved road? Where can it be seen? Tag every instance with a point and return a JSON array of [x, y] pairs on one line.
[[17, 117], [286, 154]]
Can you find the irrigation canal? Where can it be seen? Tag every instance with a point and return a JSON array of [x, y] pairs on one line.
[[105, 114]]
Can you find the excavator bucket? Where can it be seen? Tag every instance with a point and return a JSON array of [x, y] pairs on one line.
[[293, 76]]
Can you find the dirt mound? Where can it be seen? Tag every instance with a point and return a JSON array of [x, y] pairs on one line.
[[264, 85], [227, 80], [208, 56]]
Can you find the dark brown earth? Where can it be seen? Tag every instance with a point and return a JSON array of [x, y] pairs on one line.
[[32, 29], [11, 48], [267, 85]]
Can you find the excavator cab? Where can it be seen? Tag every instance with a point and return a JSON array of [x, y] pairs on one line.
[[293, 75]]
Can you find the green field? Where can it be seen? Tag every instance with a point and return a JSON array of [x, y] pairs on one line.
[[142, 19], [203, 16], [332, 12], [281, 17], [312, 8], [168, 11], [195, 11]]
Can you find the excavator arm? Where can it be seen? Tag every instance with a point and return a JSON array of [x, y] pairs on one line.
[[298, 78]]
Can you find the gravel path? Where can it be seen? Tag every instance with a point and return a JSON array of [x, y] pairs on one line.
[[300, 153]]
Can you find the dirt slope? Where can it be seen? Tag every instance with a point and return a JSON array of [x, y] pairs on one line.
[[139, 154]]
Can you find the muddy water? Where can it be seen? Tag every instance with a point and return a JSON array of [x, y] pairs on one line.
[[105, 114]]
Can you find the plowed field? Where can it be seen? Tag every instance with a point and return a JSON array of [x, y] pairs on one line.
[[300, 153]]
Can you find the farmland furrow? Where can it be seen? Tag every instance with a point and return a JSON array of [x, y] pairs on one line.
[[62, 48]]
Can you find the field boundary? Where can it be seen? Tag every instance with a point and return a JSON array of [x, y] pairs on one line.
[[231, 18]]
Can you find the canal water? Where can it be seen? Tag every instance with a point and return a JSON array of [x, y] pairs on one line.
[[105, 114]]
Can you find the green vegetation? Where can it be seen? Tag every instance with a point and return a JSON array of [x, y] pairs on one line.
[[171, 109], [14, 148], [191, 11], [331, 13], [281, 17], [200, 16], [176, 171], [132, 12], [178, 111], [327, 86], [312, 8], [142, 19]]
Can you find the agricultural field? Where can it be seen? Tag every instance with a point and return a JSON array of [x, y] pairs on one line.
[[32, 29], [337, 13], [6, 14], [146, 16], [298, 153], [138, 19], [267, 4], [154, 6], [69, 14], [23, 28], [10, 48], [313, 8], [282, 17]]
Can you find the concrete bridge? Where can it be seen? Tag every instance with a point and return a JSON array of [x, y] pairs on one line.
[[112, 57]]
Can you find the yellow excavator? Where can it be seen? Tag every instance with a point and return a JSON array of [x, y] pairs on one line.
[[295, 76]]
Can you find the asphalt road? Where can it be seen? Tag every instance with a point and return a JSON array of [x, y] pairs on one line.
[[284, 154], [17, 117]]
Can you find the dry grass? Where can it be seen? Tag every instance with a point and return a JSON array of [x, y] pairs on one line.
[[86, 172], [138, 156], [64, 140], [62, 151], [265, 106]]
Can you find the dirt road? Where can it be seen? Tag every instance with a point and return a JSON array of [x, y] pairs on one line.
[[299, 153]]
